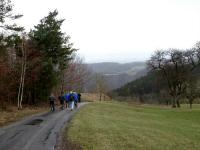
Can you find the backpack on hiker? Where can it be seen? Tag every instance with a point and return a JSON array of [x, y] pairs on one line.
[[71, 98]]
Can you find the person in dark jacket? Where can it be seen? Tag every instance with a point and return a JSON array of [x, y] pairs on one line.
[[62, 100], [79, 97], [52, 102]]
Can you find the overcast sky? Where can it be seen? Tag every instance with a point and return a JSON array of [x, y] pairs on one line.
[[120, 30]]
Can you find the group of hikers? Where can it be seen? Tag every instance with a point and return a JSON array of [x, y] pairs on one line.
[[67, 100]]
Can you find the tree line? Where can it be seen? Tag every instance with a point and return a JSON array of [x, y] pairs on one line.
[[173, 76], [35, 63]]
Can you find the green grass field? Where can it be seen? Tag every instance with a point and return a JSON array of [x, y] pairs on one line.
[[121, 126]]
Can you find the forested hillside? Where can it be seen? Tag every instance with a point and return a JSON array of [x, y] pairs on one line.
[[173, 78], [148, 85]]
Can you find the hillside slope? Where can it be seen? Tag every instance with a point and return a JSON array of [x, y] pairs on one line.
[[116, 74]]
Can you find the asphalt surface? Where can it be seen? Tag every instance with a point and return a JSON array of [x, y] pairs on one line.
[[38, 132]]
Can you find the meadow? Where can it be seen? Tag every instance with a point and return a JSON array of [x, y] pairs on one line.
[[121, 126]]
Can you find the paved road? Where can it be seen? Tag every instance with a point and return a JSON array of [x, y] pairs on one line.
[[35, 133]]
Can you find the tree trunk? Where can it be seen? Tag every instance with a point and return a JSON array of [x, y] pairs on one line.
[[62, 83], [178, 103], [21, 87], [29, 98], [190, 105], [141, 99], [190, 101], [167, 102], [174, 103], [22, 91], [100, 96]]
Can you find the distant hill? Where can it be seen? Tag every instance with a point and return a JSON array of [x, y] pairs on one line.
[[117, 68], [118, 74]]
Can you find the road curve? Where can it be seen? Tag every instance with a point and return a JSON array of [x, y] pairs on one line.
[[37, 132]]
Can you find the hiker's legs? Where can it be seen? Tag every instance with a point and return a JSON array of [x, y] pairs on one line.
[[67, 104], [63, 105], [76, 104], [72, 105], [53, 106]]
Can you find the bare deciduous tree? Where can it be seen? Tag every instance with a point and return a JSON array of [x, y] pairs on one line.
[[22, 76], [192, 90], [174, 67], [177, 67], [101, 86], [76, 75]]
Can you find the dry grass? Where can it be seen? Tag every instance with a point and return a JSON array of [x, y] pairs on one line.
[[13, 115], [93, 97]]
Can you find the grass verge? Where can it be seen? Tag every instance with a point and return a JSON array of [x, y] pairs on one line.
[[13, 115], [117, 126]]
